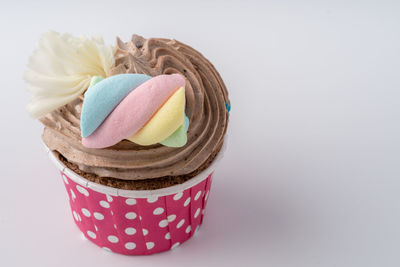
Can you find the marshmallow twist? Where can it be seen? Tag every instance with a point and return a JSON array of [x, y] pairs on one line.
[[135, 107]]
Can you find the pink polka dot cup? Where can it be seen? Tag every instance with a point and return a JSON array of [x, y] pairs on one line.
[[137, 222]]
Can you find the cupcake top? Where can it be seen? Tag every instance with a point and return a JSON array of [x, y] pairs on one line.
[[146, 108]]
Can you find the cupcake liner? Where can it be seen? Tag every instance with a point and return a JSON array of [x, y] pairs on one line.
[[137, 222]]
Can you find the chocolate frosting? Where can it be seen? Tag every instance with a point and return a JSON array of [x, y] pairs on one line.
[[206, 99]]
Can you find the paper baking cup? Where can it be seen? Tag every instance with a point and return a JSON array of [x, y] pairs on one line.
[[137, 222]]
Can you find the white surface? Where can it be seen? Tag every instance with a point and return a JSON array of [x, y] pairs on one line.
[[311, 176]]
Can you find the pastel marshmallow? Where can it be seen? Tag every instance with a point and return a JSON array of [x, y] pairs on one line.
[[134, 111], [164, 123], [179, 137], [103, 96]]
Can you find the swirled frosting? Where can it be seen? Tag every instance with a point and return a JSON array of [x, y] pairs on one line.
[[206, 108]]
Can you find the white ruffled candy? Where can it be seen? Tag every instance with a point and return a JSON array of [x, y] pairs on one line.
[[61, 68]]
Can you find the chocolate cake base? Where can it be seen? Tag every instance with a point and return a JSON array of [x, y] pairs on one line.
[[145, 184]]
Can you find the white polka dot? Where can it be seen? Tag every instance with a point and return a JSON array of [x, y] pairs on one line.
[[171, 217], [150, 245], [113, 239], [95, 227], [107, 249], [208, 192], [197, 195], [158, 211], [175, 245], [91, 234], [197, 229], [79, 217], [152, 199], [109, 198], [115, 226], [145, 231], [98, 216], [196, 214], [140, 217], [73, 194], [130, 215], [86, 212], [130, 231], [186, 202], [65, 179], [130, 245], [178, 196], [104, 204], [75, 215], [82, 190], [167, 236], [180, 223], [202, 212], [112, 213], [163, 223], [130, 201], [188, 229]]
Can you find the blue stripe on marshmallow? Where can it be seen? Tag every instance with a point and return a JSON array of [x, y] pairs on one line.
[[104, 96]]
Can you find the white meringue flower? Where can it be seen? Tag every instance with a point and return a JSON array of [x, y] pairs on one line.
[[61, 67]]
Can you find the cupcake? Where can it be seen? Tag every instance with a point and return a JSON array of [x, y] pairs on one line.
[[135, 129]]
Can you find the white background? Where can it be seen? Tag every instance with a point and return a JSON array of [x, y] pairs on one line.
[[311, 174]]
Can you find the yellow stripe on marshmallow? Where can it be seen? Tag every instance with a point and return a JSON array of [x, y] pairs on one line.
[[164, 123]]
